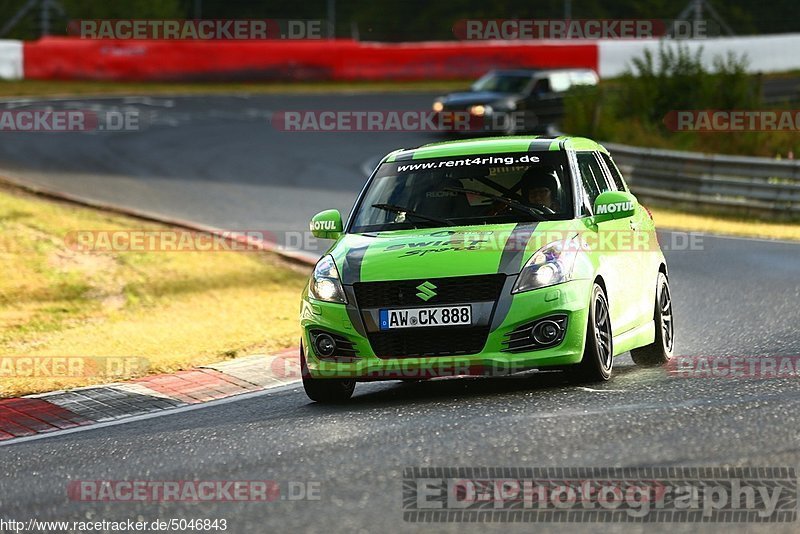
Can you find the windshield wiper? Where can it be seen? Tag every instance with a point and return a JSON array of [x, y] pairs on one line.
[[507, 201], [398, 209]]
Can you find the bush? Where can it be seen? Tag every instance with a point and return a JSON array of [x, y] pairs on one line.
[[632, 108]]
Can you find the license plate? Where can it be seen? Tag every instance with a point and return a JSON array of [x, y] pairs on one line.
[[425, 317]]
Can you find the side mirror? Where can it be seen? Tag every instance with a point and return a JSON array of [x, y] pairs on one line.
[[614, 205], [327, 224]]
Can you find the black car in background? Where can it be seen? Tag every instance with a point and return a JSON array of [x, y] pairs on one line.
[[515, 101]]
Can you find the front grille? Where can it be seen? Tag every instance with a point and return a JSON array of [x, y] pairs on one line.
[[452, 290], [433, 341], [437, 341]]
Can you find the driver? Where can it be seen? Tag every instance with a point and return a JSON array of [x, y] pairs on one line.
[[540, 186]]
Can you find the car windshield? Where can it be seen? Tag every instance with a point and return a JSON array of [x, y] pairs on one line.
[[466, 190], [502, 83]]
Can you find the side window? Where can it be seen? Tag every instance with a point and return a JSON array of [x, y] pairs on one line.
[[583, 78], [542, 87], [594, 182], [615, 174]]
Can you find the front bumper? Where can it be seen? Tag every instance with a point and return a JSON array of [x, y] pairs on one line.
[[570, 299]]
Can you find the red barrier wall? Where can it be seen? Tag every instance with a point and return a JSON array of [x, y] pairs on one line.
[[81, 59]]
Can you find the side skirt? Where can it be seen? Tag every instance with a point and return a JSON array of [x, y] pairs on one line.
[[638, 337]]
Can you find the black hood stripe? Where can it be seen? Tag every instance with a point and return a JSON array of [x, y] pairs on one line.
[[511, 258], [353, 260]]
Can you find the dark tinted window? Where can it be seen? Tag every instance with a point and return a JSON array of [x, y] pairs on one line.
[[614, 171], [592, 176], [502, 83], [467, 190]]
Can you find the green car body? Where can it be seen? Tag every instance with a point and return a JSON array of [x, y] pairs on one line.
[[610, 245]]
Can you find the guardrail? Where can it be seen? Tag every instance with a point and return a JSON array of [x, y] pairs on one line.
[[759, 187], [780, 91]]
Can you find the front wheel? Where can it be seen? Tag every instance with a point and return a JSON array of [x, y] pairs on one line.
[[598, 350], [328, 390], [660, 351]]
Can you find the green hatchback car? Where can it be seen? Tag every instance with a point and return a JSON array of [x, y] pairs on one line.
[[485, 257]]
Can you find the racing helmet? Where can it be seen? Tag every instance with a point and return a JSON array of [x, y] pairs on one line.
[[539, 176]]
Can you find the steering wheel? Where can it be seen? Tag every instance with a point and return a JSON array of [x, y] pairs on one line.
[[542, 208]]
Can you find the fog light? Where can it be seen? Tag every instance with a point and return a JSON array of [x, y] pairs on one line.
[[325, 345], [546, 332]]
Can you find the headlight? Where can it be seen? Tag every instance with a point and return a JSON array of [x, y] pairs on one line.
[[325, 284], [438, 106], [552, 264], [480, 110]]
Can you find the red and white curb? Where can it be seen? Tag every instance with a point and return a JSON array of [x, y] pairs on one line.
[[56, 411]]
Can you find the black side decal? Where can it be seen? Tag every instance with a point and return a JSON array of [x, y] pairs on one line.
[[351, 273], [504, 303], [510, 261], [352, 311]]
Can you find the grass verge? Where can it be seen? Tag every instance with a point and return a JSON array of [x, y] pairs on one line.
[[165, 310], [717, 224]]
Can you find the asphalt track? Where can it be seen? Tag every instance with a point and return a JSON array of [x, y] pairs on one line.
[[217, 160]]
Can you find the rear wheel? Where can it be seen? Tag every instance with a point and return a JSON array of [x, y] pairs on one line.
[[598, 351], [660, 351], [329, 390]]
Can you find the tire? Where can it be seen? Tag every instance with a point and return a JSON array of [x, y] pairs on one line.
[[598, 351], [325, 390], [660, 351]]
